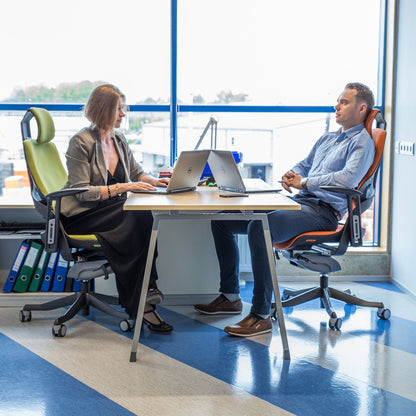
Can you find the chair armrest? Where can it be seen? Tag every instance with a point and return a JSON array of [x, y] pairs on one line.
[[342, 190], [354, 211], [66, 192], [54, 216]]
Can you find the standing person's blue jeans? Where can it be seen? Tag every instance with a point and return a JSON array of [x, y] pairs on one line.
[[284, 225]]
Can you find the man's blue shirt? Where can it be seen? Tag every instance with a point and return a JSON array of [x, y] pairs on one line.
[[337, 159]]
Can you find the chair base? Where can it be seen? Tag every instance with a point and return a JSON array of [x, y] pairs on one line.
[[325, 293], [80, 302]]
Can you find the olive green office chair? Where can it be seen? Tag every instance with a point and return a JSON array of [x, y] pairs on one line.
[[47, 176], [315, 251]]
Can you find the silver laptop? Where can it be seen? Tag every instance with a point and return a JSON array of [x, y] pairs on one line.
[[186, 175], [228, 177]]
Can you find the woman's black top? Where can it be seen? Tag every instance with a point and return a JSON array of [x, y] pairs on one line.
[[118, 175]]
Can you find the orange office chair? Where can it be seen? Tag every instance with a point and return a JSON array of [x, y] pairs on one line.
[[315, 250]]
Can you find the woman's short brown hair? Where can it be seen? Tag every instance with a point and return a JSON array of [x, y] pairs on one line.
[[102, 104]]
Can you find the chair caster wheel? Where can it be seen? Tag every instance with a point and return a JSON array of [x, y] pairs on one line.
[[384, 314], [25, 316], [126, 325], [59, 330], [335, 323]]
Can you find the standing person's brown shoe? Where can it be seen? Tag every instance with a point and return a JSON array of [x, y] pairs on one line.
[[220, 305], [251, 325]]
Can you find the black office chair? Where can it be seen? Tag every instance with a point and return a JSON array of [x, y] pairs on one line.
[[47, 176], [315, 251]]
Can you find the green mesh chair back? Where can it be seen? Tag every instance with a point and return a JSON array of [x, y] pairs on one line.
[[46, 171], [42, 156]]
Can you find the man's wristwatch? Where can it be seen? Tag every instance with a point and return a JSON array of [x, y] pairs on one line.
[[304, 184]]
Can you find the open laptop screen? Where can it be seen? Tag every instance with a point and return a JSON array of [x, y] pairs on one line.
[[187, 173]]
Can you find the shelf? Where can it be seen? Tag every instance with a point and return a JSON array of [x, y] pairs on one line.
[[20, 235]]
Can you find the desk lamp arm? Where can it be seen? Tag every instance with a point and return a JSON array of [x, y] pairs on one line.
[[212, 123]]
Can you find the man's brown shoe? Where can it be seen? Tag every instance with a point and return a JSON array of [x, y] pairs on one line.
[[251, 325], [220, 305]]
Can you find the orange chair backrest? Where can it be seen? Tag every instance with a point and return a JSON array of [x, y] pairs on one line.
[[379, 137]]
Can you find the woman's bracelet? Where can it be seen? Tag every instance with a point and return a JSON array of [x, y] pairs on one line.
[[118, 190]]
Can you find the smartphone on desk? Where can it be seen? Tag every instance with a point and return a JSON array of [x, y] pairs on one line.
[[233, 195]]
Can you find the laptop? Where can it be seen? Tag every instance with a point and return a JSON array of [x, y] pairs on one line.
[[228, 177], [186, 175]]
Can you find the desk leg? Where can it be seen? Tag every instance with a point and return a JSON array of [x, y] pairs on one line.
[[143, 294], [272, 266]]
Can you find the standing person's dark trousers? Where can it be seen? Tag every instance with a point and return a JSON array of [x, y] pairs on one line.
[[284, 225]]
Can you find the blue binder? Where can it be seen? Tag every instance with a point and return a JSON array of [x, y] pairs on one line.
[[60, 275], [76, 286], [69, 282], [16, 266], [49, 272]]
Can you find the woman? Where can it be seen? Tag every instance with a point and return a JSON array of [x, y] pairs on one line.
[[99, 157]]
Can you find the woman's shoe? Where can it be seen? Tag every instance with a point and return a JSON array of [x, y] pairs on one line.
[[161, 327], [154, 296]]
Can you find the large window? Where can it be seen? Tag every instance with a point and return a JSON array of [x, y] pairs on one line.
[[268, 71], [275, 52], [49, 44]]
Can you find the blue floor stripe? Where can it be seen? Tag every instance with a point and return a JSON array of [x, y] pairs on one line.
[[298, 386], [23, 373]]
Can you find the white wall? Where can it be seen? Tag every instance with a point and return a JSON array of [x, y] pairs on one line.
[[403, 239]]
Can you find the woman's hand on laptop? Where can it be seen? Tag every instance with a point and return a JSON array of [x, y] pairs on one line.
[[163, 182], [149, 182], [140, 186]]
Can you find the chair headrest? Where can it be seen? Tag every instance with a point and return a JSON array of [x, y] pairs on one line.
[[369, 120], [46, 126], [376, 115]]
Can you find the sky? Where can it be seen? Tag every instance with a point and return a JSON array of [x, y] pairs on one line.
[[276, 51]]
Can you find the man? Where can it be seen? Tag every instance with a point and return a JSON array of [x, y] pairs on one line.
[[339, 158]]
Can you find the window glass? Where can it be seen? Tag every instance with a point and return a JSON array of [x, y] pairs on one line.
[[271, 143], [55, 49], [275, 52], [14, 181], [266, 52]]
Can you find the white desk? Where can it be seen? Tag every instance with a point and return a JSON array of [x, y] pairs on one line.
[[205, 203]]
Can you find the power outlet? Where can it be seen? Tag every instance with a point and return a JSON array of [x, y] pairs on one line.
[[405, 148]]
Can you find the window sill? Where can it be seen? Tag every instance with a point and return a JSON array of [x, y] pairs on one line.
[[7, 203], [367, 250]]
